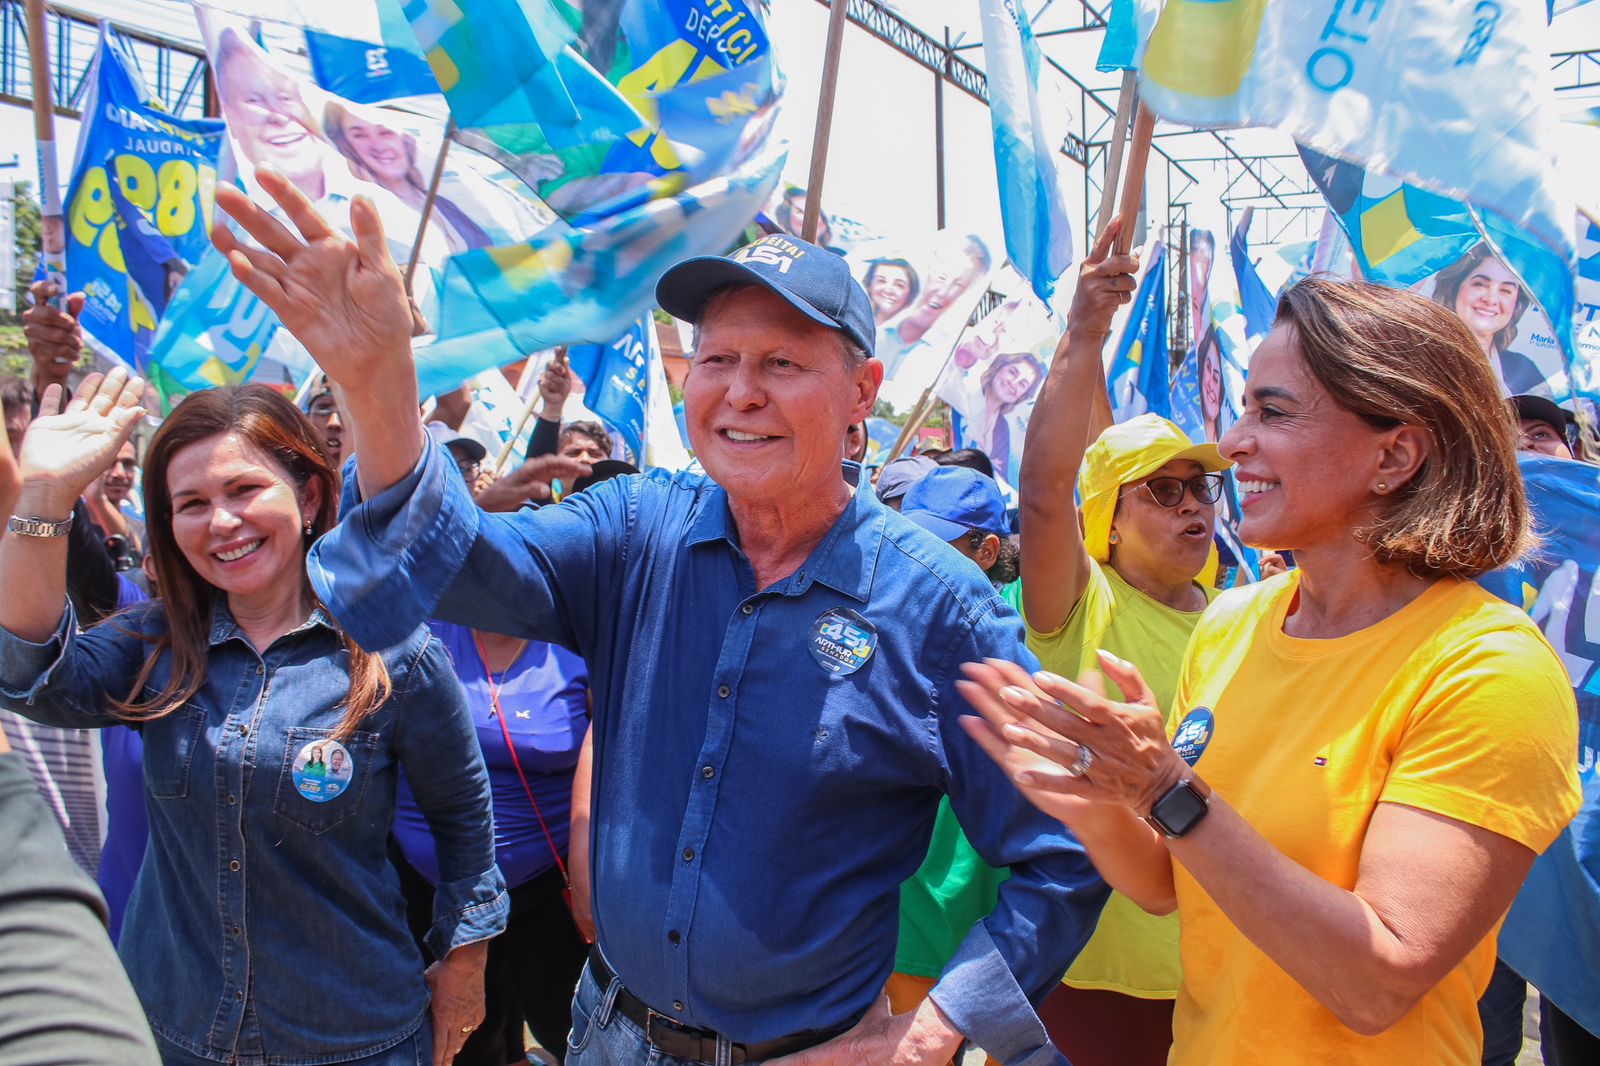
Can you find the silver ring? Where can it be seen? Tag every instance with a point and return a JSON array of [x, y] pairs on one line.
[[1085, 760]]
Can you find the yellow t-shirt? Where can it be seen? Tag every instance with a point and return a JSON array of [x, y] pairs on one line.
[[1454, 704], [1131, 952]]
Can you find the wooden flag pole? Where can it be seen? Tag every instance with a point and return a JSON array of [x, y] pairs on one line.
[[527, 413], [1126, 100], [1144, 128], [427, 204], [53, 230], [819, 140]]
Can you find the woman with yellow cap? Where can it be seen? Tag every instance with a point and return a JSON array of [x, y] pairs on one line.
[[1127, 582]]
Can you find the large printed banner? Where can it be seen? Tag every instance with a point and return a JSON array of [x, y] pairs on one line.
[[138, 207], [616, 381], [1552, 935], [333, 149], [994, 379]]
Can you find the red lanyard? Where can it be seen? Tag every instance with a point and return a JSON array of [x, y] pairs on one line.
[[494, 701]]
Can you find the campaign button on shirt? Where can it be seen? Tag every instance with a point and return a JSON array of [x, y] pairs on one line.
[[842, 641], [322, 770], [1193, 734]]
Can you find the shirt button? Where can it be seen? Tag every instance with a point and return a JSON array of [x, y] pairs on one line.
[[234, 866], [232, 799], [707, 772], [724, 691], [677, 1005], [673, 937], [236, 930], [244, 729], [688, 855], [238, 996], [261, 668], [749, 609]]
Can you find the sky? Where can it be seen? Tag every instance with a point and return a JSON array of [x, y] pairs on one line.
[[881, 158]]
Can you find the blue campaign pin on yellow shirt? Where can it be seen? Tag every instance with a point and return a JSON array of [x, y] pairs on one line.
[[322, 770], [842, 641], [1194, 733]]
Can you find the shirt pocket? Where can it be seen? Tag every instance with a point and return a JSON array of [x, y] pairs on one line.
[[170, 745], [309, 814]]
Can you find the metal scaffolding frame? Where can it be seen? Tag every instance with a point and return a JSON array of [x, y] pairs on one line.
[[175, 71]]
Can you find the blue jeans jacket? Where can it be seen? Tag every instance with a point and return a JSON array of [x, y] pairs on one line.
[[266, 925]]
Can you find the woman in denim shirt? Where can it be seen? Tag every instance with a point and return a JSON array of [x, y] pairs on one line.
[[266, 926]]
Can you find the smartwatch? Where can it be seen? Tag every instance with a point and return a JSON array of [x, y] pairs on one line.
[[1181, 808]]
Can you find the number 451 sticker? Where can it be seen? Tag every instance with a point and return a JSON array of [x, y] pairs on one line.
[[842, 641]]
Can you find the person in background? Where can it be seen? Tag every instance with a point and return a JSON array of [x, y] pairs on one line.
[[585, 442], [964, 509], [328, 419], [1490, 301], [1542, 426], [896, 478], [1365, 754], [236, 676], [529, 703], [892, 285], [1122, 572], [855, 442], [971, 458], [105, 498]]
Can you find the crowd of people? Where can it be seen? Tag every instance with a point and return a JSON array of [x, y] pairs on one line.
[[793, 759]]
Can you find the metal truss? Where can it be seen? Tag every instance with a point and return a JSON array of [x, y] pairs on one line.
[[176, 72], [1576, 70]]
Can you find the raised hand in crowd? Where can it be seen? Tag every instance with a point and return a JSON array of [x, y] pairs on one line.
[[55, 339], [530, 481], [345, 301], [555, 385], [64, 453], [1273, 564]]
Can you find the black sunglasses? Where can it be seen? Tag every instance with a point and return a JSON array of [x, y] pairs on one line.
[[1168, 491]]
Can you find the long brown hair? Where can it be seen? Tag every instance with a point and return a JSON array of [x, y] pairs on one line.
[[1394, 358], [268, 421]]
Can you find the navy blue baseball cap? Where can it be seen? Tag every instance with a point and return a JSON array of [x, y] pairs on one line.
[[950, 501], [814, 281]]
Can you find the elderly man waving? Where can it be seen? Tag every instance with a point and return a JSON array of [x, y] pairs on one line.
[[773, 656]]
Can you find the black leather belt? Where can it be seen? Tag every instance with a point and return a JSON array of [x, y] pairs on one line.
[[698, 1045]]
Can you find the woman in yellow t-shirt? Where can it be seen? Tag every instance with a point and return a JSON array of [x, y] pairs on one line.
[[1365, 754]]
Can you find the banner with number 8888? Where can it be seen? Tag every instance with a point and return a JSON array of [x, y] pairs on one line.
[[138, 205]]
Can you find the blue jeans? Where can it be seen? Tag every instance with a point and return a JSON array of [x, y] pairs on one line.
[[602, 1037], [1500, 1011], [414, 1050]]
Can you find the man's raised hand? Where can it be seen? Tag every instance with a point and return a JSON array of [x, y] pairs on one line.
[[344, 300]]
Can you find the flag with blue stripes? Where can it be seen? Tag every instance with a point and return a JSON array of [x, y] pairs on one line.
[[1138, 379], [1256, 301], [1027, 142]]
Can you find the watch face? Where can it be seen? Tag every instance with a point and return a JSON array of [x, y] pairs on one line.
[[1178, 811]]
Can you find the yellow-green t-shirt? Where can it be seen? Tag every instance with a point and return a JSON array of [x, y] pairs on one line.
[[1131, 952], [1454, 704]]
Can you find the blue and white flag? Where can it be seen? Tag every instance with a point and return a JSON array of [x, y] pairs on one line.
[[1403, 90], [1138, 379], [616, 382], [1256, 301], [1552, 935], [141, 186], [369, 72], [1027, 143]]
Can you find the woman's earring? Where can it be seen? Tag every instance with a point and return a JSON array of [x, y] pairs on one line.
[[1114, 537], [1383, 486], [309, 528]]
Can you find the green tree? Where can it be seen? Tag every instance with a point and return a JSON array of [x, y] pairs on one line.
[[26, 223]]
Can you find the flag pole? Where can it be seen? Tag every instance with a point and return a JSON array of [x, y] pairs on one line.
[[522, 421], [819, 140], [1126, 100], [53, 231], [427, 204]]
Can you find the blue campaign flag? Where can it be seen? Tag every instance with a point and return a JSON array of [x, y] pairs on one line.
[[1552, 935], [1255, 299], [369, 72], [1120, 45], [1139, 372], [141, 187], [215, 331], [1027, 142], [616, 381]]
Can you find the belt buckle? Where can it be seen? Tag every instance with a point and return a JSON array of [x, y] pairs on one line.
[[667, 1034]]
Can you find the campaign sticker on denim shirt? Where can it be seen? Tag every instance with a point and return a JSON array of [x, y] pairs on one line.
[[322, 771], [842, 641], [1193, 734]]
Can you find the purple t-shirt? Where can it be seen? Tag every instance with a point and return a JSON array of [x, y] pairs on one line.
[[545, 698]]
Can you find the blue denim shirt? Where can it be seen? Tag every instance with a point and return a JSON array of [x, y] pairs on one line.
[[754, 813], [265, 927]]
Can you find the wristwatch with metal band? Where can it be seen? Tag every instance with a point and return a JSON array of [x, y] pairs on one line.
[[1181, 808], [39, 527]]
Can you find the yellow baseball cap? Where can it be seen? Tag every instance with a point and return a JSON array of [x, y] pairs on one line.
[[1127, 452]]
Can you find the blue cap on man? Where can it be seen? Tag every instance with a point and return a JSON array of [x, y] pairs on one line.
[[814, 281], [953, 500]]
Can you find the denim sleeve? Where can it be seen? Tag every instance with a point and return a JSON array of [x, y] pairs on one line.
[[70, 679], [421, 550], [1046, 910], [443, 761]]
